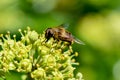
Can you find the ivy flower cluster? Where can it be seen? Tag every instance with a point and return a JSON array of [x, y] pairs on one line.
[[37, 58]]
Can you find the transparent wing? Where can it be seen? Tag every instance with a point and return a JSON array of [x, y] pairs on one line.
[[78, 41], [65, 25]]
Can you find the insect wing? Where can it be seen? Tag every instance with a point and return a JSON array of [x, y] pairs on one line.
[[64, 26], [78, 41]]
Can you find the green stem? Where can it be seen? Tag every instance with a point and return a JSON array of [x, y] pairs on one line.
[[29, 77]]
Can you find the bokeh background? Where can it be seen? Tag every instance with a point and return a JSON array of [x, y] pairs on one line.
[[95, 22]]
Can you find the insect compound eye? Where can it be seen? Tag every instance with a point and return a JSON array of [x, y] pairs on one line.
[[49, 33]]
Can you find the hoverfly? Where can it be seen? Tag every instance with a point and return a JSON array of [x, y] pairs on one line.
[[60, 33]]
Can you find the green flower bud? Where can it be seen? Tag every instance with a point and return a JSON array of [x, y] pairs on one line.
[[25, 65], [1, 55], [79, 76], [11, 66], [39, 74], [57, 75], [5, 67], [10, 55], [43, 50], [50, 60], [49, 43], [33, 36]]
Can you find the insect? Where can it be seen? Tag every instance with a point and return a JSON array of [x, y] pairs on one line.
[[60, 33]]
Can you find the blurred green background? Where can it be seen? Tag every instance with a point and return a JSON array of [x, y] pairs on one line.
[[95, 22]]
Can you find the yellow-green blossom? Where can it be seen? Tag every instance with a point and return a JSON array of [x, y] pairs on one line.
[[37, 58]]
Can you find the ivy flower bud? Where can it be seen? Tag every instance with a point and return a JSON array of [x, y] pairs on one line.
[[79, 76], [38, 74], [50, 61], [10, 55], [11, 66], [33, 36], [25, 65], [43, 50]]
